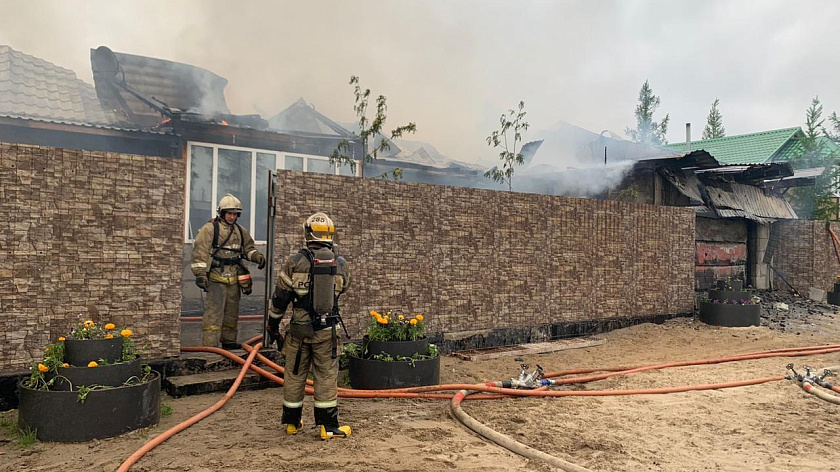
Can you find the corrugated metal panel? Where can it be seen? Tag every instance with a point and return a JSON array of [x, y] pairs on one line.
[[748, 202], [178, 85]]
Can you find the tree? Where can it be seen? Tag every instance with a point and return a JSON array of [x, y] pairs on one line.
[[817, 202], [368, 131], [648, 131], [714, 123], [511, 122]]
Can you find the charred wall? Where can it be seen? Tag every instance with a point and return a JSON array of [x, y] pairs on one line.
[[478, 260], [92, 235]]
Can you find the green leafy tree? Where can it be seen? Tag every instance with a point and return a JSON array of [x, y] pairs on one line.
[[714, 123], [369, 130], [817, 202], [648, 131], [513, 122]]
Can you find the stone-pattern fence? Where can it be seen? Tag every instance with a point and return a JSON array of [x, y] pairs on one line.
[[88, 235], [474, 260]]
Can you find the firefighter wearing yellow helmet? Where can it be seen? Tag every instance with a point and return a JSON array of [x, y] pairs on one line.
[[312, 280], [219, 249]]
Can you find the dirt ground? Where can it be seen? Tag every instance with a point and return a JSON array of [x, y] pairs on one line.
[[769, 427]]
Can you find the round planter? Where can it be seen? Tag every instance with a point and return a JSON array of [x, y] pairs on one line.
[[395, 348], [60, 417], [730, 314], [110, 375], [715, 294], [833, 297], [734, 284], [81, 351], [369, 374]]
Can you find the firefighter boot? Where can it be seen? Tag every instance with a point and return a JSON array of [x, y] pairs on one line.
[[292, 419], [327, 419]]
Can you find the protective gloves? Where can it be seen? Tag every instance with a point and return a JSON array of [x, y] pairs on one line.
[[201, 282], [260, 260]]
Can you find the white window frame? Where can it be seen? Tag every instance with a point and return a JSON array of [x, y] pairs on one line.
[[280, 164]]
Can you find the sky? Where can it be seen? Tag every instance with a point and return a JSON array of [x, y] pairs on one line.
[[454, 66]]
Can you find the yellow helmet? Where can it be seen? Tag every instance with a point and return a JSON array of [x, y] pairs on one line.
[[229, 203], [319, 228]]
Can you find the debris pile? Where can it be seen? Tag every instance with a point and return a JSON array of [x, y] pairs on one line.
[[790, 313]]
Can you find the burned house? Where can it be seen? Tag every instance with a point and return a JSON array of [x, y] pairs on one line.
[[154, 107]]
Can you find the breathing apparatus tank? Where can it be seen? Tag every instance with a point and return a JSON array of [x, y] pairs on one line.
[[324, 267]]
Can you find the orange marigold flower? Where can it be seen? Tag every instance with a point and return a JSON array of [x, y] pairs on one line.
[[413, 322], [65, 365], [110, 326], [109, 336], [420, 317], [61, 338], [93, 364], [89, 324], [43, 368], [126, 333], [383, 321], [374, 314]]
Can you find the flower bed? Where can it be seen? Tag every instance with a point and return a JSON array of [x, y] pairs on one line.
[[394, 353], [90, 364]]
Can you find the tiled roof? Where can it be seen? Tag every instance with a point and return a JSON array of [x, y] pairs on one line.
[[755, 148], [34, 88]]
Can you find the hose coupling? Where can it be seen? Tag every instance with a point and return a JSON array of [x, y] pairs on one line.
[[795, 375], [826, 373], [528, 379]]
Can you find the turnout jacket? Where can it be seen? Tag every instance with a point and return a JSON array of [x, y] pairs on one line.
[[292, 286], [233, 246]]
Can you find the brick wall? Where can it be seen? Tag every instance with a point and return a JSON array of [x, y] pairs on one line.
[[805, 255], [90, 233], [478, 259]]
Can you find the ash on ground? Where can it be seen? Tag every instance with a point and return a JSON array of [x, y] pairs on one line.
[[802, 314]]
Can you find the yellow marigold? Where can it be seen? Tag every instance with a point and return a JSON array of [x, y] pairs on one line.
[[109, 336], [374, 314], [43, 368], [401, 317], [89, 324], [420, 317], [93, 364], [110, 326], [126, 333], [65, 365], [61, 338], [413, 321]]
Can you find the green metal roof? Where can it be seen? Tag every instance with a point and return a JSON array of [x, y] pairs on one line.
[[755, 148]]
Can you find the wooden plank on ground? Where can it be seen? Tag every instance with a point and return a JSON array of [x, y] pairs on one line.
[[526, 349]]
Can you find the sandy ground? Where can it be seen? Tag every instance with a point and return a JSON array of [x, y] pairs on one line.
[[769, 427]]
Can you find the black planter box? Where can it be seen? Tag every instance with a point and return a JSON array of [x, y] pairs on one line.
[[60, 417], [833, 297], [80, 352], [731, 315], [111, 375], [716, 294], [395, 348], [369, 374]]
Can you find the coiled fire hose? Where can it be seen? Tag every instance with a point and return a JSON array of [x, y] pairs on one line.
[[491, 390]]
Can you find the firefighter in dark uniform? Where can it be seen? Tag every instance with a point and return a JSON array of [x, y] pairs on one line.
[[312, 281], [219, 249]]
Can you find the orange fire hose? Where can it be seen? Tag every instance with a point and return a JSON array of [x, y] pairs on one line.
[[465, 391], [195, 419]]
